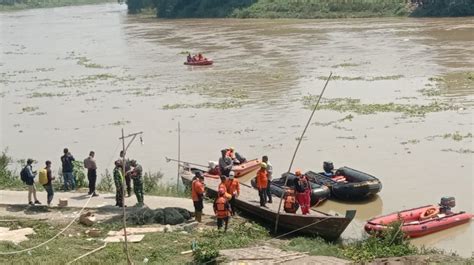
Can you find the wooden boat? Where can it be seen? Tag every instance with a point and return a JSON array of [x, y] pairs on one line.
[[199, 63], [239, 170], [353, 185], [318, 192], [416, 223], [316, 223]]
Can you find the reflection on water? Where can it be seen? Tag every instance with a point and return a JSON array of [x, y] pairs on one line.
[[73, 81]]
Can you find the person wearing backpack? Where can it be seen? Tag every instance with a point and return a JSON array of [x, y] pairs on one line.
[[45, 179], [28, 177], [68, 168]]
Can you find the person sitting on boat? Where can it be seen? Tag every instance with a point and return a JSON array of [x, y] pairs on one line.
[[225, 163], [262, 182], [200, 57], [222, 210], [213, 168], [237, 159], [328, 169], [303, 192], [291, 205], [233, 188], [189, 58]]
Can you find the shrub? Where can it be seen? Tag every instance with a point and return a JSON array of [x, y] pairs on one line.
[[106, 182], [392, 242]]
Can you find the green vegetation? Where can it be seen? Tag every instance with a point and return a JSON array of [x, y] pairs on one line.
[[353, 78], [227, 104], [29, 109], [8, 179], [301, 8], [10, 5], [315, 246], [354, 105], [240, 235], [390, 243]]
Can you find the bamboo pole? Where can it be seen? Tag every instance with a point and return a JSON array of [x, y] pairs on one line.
[[298, 146], [179, 156]]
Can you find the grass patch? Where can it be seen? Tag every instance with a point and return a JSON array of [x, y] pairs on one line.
[[354, 105], [315, 246], [29, 109], [119, 123], [345, 65], [46, 94]]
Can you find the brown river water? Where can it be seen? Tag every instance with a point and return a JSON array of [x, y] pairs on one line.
[[70, 77]]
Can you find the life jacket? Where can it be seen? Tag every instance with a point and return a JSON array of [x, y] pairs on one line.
[[215, 171], [262, 179], [290, 202], [303, 183], [224, 187], [233, 186], [221, 209], [230, 154], [197, 190]]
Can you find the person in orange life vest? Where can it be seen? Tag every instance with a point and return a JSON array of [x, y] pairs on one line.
[[222, 210], [262, 182], [197, 194], [303, 191], [237, 159], [222, 185], [213, 168], [233, 188], [290, 206]]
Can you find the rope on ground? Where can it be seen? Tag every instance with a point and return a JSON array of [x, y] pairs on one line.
[[51, 239], [87, 254]]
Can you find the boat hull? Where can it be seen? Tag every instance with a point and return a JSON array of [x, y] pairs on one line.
[[239, 170], [412, 226], [316, 223], [199, 63]]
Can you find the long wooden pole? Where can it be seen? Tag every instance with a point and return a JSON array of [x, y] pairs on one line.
[[124, 220], [179, 155], [298, 146]]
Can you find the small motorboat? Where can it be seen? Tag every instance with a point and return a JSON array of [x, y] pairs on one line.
[[240, 170], [421, 221], [199, 63], [319, 193], [347, 183]]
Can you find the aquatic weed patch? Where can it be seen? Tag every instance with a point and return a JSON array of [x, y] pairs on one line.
[[227, 104], [355, 105], [46, 95], [361, 78], [456, 136]]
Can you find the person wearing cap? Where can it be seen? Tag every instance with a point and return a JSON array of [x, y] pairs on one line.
[[262, 182], [222, 184], [136, 174], [49, 185], [268, 191], [233, 188], [118, 179], [303, 191], [222, 209], [197, 194], [225, 163], [30, 181], [213, 168]]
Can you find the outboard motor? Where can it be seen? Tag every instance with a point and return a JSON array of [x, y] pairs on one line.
[[446, 204], [328, 168]]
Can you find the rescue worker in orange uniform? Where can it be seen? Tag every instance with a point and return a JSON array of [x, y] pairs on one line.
[[197, 194], [214, 168], [233, 188], [291, 206], [223, 185], [262, 182], [303, 191], [222, 210]]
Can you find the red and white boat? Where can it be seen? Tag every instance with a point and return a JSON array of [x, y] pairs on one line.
[[419, 221], [240, 170]]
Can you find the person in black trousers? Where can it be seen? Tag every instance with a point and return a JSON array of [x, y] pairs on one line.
[[91, 166]]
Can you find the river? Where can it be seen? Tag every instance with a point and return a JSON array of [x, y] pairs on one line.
[[72, 76]]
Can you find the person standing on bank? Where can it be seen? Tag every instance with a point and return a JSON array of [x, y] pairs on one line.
[[136, 174], [118, 180], [49, 185], [91, 166], [68, 167], [28, 176], [262, 183], [233, 188], [269, 177], [222, 210], [197, 194], [127, 175]]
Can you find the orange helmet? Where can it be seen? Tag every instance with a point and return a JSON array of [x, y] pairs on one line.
[[298, 172]]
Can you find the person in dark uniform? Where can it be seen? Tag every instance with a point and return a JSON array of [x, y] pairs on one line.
[[137, 176]]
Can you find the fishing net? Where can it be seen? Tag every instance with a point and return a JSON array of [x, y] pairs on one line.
[[169, 215]]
